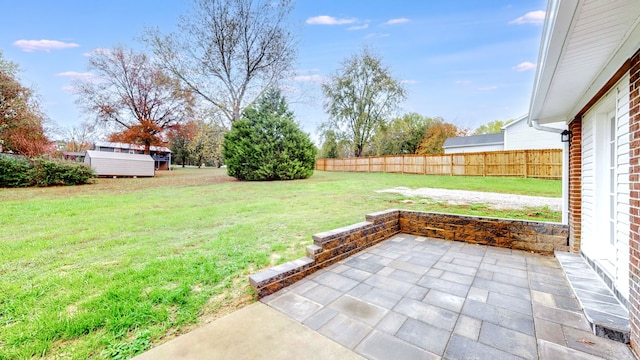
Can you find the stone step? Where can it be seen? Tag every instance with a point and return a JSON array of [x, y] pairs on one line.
[[608, 317]]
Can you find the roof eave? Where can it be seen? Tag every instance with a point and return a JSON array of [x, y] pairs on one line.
[[558, 22]]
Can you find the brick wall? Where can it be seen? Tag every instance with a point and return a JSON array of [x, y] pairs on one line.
[[332, 246], [575, 185], [634, 177]]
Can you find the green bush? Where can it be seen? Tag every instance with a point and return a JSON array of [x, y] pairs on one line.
[[15, 171], [266, 144], [20, 172], [51, 172]]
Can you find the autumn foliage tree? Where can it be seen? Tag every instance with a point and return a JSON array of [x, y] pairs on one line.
[[133, 97], [21, 120], [437, 133], [180, 136]]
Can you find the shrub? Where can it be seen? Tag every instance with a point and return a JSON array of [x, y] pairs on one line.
[[20, 172], [266, 144], [15, 171], [51, 172]]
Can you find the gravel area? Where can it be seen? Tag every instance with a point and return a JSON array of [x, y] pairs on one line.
[[495, 200]]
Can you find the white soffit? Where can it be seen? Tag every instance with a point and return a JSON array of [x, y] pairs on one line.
[[587, 42]]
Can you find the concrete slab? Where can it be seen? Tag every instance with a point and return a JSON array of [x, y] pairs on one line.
[[254, 332], [463, 305]]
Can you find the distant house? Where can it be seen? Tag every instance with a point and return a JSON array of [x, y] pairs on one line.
[[516, 135], [474, 143], [106, 163], [161, 155]]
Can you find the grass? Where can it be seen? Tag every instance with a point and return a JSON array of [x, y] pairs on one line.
[[109, 269]]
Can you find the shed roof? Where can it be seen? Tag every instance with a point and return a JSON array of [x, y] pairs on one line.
[[474, 140], [119, 156], [118, 145]]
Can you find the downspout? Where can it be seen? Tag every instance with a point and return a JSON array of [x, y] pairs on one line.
[[565, 169]]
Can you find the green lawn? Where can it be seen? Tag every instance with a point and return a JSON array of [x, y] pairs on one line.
[[108, 269]]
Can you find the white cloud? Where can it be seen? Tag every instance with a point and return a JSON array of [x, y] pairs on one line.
[[329, 20], [97, 51], [525, 66], [359, 27], [409, 82], [376, 36], [43, 45], [308, 78], [532, 17], [77, 75], [397, 21], [487, 88]]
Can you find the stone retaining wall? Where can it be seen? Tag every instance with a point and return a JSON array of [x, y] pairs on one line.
[[332, 246], [539, 237], [328, 247]]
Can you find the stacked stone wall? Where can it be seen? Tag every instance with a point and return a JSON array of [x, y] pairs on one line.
[[335, 245]]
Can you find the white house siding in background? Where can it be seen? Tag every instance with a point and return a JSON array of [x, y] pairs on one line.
[[119, 164], [476, 148], [518, 135], [605, 184], [473, 143]]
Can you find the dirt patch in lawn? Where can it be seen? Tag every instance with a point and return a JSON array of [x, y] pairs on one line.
[[464, 197]]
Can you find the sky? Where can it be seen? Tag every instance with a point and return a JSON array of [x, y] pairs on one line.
[[467, 61]]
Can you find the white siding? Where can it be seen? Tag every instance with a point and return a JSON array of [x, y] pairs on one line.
[[119, 164], [588, 185], [623, 187], [595, 185], [520, 136], [475, 148]]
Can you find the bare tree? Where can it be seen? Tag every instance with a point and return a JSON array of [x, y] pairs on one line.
[[79, 138], [228, 51], [359, 97], [133, 96]]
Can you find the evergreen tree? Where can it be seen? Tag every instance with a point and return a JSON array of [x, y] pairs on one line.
[[266, 143]]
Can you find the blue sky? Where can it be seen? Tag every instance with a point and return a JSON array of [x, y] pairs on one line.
[[467, 61]]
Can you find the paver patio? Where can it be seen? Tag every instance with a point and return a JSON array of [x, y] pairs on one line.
[[413, 297]]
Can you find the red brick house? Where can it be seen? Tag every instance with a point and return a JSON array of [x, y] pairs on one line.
[[589, 77]]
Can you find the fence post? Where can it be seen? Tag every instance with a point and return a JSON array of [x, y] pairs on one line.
[[424, 163], [402, 164], [484, 164], [451, 165], [526, 164]]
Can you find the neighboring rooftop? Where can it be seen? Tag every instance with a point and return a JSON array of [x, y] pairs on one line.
[[485, 139], [118, 145]]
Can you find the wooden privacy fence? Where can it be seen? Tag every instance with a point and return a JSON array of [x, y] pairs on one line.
[[545, 164]]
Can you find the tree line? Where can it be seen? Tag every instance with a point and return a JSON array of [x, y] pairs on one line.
[[190, 88]]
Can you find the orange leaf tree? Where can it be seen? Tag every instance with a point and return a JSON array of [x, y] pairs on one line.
[[21, 121], [435, 136], [133, 97]]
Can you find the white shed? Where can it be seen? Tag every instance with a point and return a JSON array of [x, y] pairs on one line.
[[518, 135], [119, 164]]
